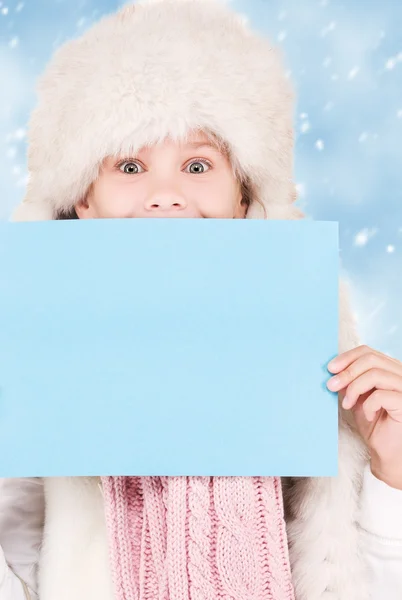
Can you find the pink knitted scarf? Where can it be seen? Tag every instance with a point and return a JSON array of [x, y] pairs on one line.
[[197, 538]]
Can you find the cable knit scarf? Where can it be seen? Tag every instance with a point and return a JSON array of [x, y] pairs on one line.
[[197, 538]]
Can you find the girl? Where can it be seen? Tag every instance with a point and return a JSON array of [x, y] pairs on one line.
[[177, 109]]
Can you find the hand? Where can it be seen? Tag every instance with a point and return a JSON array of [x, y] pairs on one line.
[[370, 384]]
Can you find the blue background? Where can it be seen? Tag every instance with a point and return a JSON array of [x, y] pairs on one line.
[[345, 59]]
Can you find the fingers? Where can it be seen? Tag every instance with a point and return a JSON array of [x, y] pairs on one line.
[[387, 400], [342, 361], [365, 361], [373, 379]]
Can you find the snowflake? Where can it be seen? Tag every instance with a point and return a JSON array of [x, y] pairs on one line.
[[390, 249], [301, 190], [305, 126], [399, 114], [303, 115], [319, 145], [390, 64], [4, 10], [20, 134], [328, 28], [14, 42], [282, 35], [353, 72], [363, 136], [19, 7], [376, 310], [363, 236]]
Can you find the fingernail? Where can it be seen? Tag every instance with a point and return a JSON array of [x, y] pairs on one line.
[[334, 382]]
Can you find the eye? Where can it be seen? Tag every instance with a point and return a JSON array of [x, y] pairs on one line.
[[198, 166], [130, 167]]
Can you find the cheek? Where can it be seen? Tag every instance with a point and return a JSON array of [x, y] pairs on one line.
[[219, 199], [116, 199]]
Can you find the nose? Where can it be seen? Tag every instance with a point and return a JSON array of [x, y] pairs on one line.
[[165, 202]]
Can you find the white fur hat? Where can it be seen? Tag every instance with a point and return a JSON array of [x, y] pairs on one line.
[[157, 68]]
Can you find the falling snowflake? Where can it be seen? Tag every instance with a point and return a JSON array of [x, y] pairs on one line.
[[282, 35], [353, 72], [319, 145], [14, 42], [301, 190], [305, 126], [363, 236], [376, 310], [390, 64], [399, 114], [4, 10], [328, 28], [20, 134], [390, 249], [303, 115]]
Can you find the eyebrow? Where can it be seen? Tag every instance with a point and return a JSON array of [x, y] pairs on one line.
[[197, 145]]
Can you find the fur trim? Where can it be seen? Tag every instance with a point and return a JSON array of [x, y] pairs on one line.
[[74, 561], [152, 70], [322, 513]]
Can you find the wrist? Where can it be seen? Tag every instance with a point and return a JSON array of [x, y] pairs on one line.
[[388, 474]]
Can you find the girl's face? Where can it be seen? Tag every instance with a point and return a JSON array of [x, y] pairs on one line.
[[192, 179]]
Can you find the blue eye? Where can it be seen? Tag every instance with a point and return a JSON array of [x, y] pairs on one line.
[[198, 166], [131, 168]]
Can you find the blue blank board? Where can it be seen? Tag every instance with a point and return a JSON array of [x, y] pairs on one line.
[[168, 347]]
